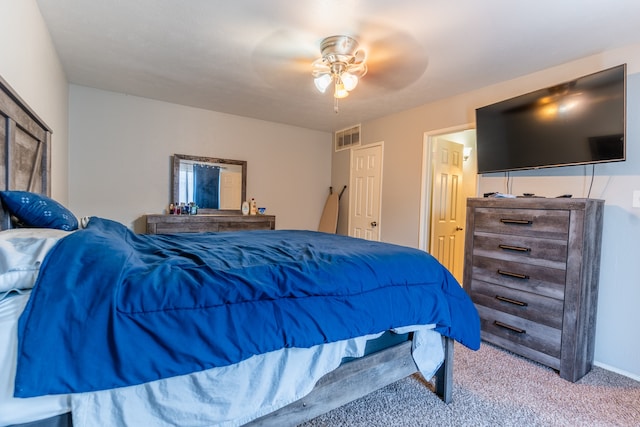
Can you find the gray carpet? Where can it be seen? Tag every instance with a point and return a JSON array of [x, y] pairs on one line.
[[493, 387]]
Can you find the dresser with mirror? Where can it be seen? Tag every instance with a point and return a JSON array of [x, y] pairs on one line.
[[218, 187]]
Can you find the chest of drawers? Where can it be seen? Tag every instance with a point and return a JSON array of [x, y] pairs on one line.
[[165, 224], [532, 269]]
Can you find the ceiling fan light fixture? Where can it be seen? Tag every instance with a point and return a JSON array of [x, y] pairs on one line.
[[322, 82], [342, 62], [349, 80], [340, 91]]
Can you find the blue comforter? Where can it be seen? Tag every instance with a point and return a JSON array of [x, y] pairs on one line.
[[111, 308]]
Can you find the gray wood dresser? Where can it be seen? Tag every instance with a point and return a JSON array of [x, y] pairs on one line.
[[165, 224], [532, 268]]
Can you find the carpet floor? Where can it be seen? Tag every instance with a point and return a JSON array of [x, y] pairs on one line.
[[493, 387]]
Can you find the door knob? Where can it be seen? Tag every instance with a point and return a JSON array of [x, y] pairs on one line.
[[459, 228], [374, 224]]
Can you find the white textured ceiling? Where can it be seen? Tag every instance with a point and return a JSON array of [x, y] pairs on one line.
[[252, 57]]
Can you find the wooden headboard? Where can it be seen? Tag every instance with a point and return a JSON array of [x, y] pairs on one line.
[[25, 148]]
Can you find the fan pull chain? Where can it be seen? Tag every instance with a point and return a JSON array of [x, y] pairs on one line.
[[335, 105]]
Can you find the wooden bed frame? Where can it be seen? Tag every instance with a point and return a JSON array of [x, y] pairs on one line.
[[357, 378], [25, 153], [25, 165]]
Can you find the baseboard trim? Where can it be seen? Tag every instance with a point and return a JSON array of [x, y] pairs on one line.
[[617, 371]]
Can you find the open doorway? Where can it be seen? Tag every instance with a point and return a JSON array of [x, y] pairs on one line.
[[449, 177]]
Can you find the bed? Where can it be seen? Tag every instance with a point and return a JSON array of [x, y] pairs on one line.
[[292, 352]]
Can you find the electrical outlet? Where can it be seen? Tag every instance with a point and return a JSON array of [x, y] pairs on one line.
[[636, 199]]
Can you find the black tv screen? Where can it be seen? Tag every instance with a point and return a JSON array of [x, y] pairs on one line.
[[572, 123]]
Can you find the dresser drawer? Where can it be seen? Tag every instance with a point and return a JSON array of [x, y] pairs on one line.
[[544, 252], [168, 224], [244, 226], [520, 332], [184, 227], [549, 282], [551, 224], [537, 308]]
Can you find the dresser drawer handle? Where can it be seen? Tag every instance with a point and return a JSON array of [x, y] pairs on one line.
[[511, 301], [516, 221], [514, 248], [509, 327], [510, 274]]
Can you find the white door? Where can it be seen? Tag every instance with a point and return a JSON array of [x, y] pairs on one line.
[[447, 216], [365, 192]]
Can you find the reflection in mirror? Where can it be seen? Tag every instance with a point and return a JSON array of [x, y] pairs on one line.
[[213, 184]]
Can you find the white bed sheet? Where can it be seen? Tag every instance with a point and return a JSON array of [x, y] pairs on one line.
[[237, 394], [22, 251], [13, 410]]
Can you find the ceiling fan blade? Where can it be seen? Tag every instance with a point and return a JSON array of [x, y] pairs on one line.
[[360, 56], [395, 58], [358, 69], [319, 67], [285, 57]]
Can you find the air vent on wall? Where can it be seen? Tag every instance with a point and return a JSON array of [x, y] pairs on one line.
[[347, 138]]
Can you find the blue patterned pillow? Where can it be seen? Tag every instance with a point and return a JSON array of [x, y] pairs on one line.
[[37, 210]]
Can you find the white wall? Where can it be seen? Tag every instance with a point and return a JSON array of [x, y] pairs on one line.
[[30, 65], [121, 148], [617, 335]]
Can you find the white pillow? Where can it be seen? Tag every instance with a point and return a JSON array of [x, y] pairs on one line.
[[22, 250]]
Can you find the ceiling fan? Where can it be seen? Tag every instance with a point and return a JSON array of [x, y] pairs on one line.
[[378, 58], [342, 63]]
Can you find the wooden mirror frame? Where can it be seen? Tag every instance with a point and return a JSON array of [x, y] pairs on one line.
[[177, 158]]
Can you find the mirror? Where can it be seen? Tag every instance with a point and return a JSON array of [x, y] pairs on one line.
[[215, 185]]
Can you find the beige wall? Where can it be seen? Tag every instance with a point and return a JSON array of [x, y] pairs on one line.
[[617, 338], [403, 136], [121, 148], [30, 65]]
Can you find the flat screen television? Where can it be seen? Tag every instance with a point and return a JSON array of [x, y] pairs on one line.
[[578, 122]]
